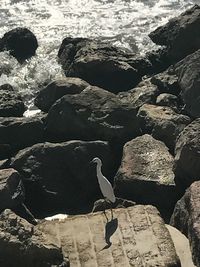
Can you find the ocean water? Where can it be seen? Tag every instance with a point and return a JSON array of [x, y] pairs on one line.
[[124, 23]]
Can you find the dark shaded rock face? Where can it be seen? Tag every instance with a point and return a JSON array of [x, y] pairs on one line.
[[11, 189], [19, 133], [145, 174], [59, 178], [162, 122], [188, 71], [99, 64], [91, 115], [11, 104], [21, 43], [23, 245], [186, 218], [5, 151], [181, 34], [187, 160], [56, 89], [144, 92]]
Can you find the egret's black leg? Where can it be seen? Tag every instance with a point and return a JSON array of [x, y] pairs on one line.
[[111, 210]]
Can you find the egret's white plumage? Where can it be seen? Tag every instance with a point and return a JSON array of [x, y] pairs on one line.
[[104, 184]]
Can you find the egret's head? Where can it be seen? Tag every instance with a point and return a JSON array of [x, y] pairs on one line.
[[97, 161]]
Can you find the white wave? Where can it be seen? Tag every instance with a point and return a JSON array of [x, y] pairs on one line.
[[125, 23]]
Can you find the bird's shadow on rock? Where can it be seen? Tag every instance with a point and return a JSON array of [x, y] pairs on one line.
[[110, 229]]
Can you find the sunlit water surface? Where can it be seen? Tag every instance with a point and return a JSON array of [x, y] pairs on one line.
[[124, 23]]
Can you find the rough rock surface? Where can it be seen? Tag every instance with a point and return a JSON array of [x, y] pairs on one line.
[[59, 177], [97, 63], [145, 174], [188, 71], [187, 151], [144, 92], [137, 237], [7, 87], [21, 43], [102, 204], [168, 100], [162, 122], [186, 218], [11, 104], [11, 189], [180, 35], [167, 82], [22, 132], [56, 89], [91, 115], [21, 244]]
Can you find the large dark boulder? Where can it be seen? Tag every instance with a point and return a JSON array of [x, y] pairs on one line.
[[180, 35], [56, 89], [146, 173], [21, 43], [18, 133], [21, 244], [59, 177], [91, 115], [11, 189], [99, 64], [11, 104], [162, 122], [187, 159], [186, 218], [188, 71]]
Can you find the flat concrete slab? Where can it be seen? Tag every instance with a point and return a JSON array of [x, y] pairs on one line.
[[137, 236]]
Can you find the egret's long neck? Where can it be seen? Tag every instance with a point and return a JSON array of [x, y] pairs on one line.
[[99, 173]]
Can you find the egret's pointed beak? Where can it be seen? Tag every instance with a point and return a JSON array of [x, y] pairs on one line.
[[92, 161]]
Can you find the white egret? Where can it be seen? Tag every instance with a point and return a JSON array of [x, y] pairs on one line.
[[105, 185]]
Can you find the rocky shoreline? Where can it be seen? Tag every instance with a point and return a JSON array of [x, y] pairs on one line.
[[140, 115]]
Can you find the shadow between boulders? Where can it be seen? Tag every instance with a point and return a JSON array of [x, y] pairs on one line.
[[110, 229]]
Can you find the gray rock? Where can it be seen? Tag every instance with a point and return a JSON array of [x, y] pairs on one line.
[[186, 218], [21, 244], [19, 133], [11, 104], [56, 89], [21, 43], [91, 115], [188, 71], [11, 189], [168, 100], [59, 177], [163, 123], [102, 204], [180, 35], [144, 92], [167, 82], [146, 173], [187, 160]]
